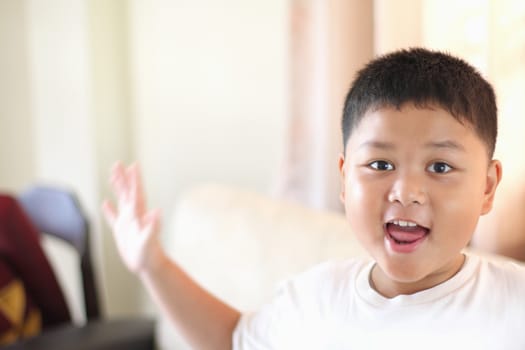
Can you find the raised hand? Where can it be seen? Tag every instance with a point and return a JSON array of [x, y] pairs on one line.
[[135, 230], [205, 321]]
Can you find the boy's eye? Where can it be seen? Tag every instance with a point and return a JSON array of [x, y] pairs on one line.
[[381, 165], [439, 168]]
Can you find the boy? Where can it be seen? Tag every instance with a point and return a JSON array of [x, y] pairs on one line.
[[419, 131]]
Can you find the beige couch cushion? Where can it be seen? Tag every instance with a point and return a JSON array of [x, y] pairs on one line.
[[240, 244]]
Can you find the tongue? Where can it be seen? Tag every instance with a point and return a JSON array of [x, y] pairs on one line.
[[406, 234]]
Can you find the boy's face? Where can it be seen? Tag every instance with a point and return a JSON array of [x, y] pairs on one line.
[[414, 183]]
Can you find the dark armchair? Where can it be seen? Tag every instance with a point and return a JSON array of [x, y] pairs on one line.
[[57, 212]]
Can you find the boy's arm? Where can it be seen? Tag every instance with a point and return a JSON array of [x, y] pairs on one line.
[[204, 321]]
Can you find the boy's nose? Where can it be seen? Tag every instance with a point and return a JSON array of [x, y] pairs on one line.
[[408, 190]]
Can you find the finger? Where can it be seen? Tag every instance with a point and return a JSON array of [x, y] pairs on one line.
[[136, 189], [116, 170], [141, 199], [119, 182], [110, 213]]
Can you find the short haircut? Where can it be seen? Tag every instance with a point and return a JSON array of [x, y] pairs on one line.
[[425, 78]]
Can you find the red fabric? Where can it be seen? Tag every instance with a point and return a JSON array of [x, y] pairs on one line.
[[20, 249], [19, 316]]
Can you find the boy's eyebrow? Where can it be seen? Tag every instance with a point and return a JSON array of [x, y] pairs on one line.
[[377, 144], [446, 144], [435, 144]]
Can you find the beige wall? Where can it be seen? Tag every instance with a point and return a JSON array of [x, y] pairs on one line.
[[60, 92], [196, 91], [209, 92], [108, 46], [16, 133], [397, 24]]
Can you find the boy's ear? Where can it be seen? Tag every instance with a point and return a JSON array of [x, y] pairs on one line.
[[342, 176], [494, 174]]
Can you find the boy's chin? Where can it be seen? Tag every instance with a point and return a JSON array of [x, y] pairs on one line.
[[399, 278], [412, 276]]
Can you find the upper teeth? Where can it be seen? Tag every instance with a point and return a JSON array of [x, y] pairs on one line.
[[404, 223]]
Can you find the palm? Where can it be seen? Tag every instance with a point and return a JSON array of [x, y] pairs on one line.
[[135, 230]]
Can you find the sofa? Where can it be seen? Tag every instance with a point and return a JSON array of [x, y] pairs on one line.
[[240, 245]]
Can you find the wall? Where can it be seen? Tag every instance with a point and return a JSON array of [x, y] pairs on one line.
[[108, 46], [391, 33], [16, 134], [210, 92], [196, 91]]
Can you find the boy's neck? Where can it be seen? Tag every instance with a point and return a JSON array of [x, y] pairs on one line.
[[389, 288]]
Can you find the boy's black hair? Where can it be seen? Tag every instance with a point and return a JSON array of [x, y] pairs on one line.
[[424, 78]]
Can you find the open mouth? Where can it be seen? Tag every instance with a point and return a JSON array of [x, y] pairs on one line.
[[405, 236]]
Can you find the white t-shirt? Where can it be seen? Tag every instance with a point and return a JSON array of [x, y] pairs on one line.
[[333, 307]]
